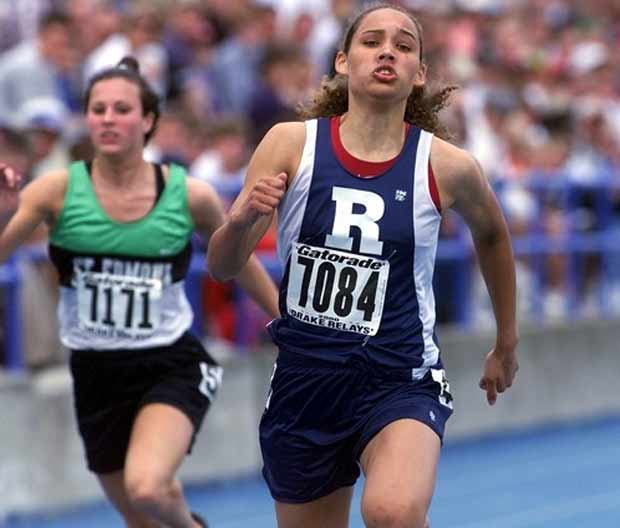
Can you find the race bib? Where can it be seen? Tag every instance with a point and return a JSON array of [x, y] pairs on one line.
[[336, 289], [118, 306]]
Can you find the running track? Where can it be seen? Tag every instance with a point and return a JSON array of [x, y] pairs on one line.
[[560, 477]]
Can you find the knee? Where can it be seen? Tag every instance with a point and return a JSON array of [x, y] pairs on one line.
[[147, 493], [394, 513], [144, 493]]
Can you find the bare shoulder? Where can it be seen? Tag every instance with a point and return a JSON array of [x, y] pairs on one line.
[[281, 149], [291, 133], [54, 180], [455, 170], [200, 195], [47, 191]]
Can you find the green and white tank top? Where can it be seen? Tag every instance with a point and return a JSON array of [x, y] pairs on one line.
[[122, 283]]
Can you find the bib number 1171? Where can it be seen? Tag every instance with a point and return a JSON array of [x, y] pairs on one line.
[[130, 305]]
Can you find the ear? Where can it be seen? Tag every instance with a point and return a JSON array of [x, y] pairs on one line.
[[340, 63], [420, 78], [147, 122]]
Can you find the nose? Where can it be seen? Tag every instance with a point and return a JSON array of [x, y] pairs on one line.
[[108, 115], [387, 54]]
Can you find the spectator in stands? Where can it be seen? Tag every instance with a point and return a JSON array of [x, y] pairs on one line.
[[141, 31], [326, 34], [285, 81], [43, 120], [188, 39], [234, 72], [180, 138], [44, 67], [224, 161], [94, 21], [19, 20]]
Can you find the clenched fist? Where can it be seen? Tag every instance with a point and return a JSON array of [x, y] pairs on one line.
[[262, 200]]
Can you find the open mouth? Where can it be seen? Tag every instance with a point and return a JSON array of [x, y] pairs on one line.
[[108, 136], [384, 73]]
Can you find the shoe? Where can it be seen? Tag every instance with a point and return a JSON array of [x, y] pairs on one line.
[[199, 520]]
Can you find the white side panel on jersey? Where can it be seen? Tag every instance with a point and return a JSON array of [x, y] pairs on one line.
[[293, 206], [426, 220]]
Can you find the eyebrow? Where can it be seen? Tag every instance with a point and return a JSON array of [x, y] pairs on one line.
[[95, 102], [405, 31]]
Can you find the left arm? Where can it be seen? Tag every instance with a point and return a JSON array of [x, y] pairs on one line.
[[464, 188], [208, 214]]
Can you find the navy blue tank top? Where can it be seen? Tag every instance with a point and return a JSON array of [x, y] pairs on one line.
[[358, 254]]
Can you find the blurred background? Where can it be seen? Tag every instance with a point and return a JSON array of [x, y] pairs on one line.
[[538, 105]]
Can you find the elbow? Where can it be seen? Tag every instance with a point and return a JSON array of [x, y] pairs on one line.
[[492, 236], [219, 277], [219, 273], [222, 270]]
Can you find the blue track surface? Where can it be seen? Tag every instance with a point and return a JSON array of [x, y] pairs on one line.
[[562, 477]]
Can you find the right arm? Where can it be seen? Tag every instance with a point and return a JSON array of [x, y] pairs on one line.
[[270, 172], [38, 202]]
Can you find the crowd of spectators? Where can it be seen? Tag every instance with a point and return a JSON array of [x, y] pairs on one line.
[[538, 104]]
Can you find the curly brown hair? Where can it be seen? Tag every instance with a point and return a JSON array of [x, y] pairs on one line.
[[423, 104]]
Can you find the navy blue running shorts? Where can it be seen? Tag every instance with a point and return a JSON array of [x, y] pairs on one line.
[[319, 417], [111, 386]]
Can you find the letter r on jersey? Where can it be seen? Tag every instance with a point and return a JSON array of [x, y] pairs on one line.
[[344, 219]]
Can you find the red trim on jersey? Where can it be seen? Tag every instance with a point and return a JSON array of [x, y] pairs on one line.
[[432, 187], [357, 167]]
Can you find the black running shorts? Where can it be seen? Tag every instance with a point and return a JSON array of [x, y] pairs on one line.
[[111, 386]]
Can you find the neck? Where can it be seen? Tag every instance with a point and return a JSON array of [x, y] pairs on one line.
[[121, 172], [373, 134]]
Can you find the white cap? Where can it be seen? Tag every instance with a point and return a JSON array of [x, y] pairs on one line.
[[43, 113]]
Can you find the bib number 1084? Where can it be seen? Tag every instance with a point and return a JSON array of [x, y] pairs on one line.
[[336, 289]]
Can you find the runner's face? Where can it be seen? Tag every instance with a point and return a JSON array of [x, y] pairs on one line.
[[114, 117], [383, 61]]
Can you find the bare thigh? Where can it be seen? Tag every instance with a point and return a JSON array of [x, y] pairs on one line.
[[331, 511], [159, 441], [400, 465]]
